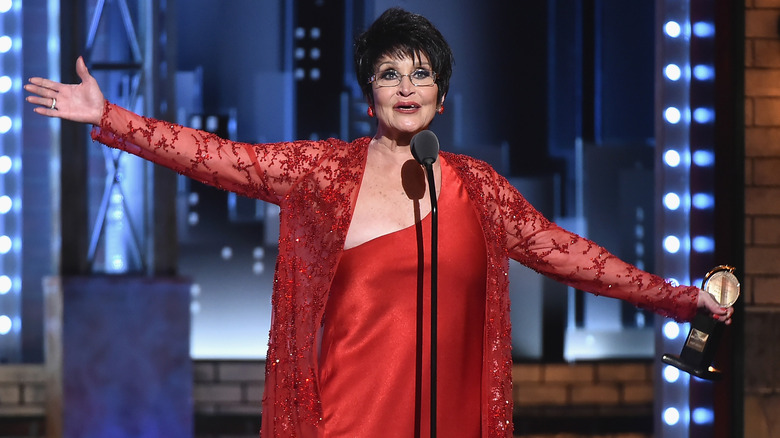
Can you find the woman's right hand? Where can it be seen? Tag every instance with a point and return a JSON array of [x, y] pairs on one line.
[[77, 102]]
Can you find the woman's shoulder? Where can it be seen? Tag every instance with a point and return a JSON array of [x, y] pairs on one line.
[[315, 151], [468, 164], [335, 146]]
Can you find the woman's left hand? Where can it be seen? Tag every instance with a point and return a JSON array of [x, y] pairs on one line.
[[77, 102], [722, 314]]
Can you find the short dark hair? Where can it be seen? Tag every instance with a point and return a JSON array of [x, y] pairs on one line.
[[401, 33]]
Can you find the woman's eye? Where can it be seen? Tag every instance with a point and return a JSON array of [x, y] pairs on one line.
[[388, 74], [421, 74]]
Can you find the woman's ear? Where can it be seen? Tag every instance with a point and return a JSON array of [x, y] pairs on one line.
[[440, 109]]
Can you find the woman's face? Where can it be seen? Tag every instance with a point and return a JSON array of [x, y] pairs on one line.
[[404, 109]]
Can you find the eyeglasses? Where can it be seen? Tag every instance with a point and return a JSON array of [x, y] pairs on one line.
[[391, 78]]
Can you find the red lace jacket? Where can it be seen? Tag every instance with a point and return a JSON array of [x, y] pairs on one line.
[[316, 184]]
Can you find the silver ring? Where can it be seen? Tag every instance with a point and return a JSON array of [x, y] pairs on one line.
[[53, 103]]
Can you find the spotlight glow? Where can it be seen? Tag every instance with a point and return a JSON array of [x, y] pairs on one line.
[[703, 72], [258, 252], [5, 284], [671, 244], [226, 253], [5, 84], [5, 6], [117, 263], [672, 115], [703, 244], [671, 374], [703, 158], [5, 124], [5, 164], [703, 29], [672, 29], [5, 324], [671, 330], [5, 244], [672, 201], [703, 115], [5, 43], [673, 72], [703, 416], [703, 201], [672, 158], [671, 416]]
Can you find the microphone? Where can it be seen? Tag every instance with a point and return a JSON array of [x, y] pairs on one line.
[[425, 147]]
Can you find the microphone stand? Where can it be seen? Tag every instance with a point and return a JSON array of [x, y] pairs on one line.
[[425, 149], [434, 287]]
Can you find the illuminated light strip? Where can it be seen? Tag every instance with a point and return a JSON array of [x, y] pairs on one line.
[[10, 180], [673, 141], [679, 158]]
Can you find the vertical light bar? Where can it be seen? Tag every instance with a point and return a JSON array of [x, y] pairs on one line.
[[673, 173], [11, 96], [703, 177]]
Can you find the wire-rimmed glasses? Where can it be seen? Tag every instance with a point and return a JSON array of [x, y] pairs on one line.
[[390, 78]]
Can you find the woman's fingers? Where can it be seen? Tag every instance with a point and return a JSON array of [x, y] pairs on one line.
[[43, 97], [32, 87], [45, 109], [42, 85], [45, 102], [718, 312]]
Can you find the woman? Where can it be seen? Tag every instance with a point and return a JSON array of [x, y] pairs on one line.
[[344, 357]]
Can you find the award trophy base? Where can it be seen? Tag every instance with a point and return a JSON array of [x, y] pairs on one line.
[[699, 349]]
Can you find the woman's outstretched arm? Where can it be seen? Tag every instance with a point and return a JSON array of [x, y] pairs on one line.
[[576, 261], [77, 102], [262, 171]]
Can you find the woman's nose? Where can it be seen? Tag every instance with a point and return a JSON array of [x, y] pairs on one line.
[[406, 87]]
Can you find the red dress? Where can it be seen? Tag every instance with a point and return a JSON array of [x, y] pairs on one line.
[[372, 378]]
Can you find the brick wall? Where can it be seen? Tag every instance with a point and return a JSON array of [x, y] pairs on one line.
[[602, 384], [228, 387], [22, 398], [608, 399], [604, 398], [762, 218], [22, 391]]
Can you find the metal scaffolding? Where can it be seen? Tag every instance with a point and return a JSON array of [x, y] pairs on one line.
[[118, 212]]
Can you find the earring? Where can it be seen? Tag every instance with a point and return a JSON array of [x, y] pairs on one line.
[[441, 109], [370, 112]]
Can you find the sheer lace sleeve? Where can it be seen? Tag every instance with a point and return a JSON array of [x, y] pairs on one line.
[[571, 259], [262, 171]]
